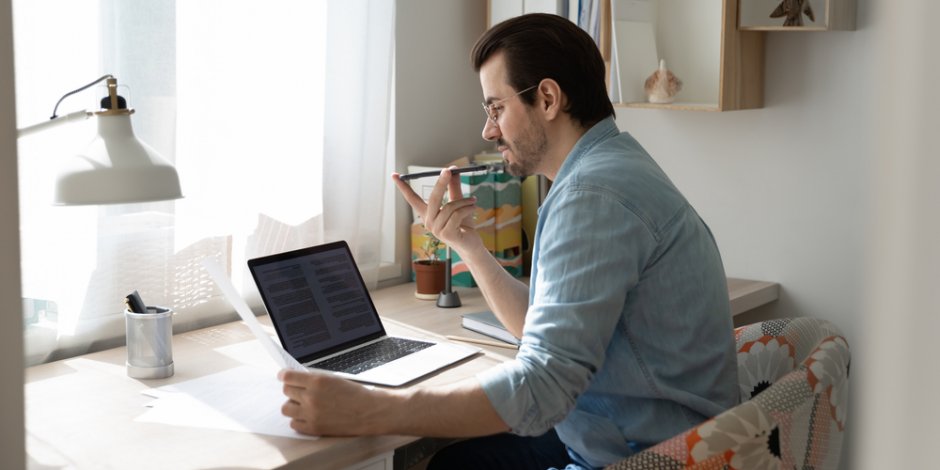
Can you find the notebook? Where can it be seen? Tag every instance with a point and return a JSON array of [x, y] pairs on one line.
[[325, 318], [486, 323]]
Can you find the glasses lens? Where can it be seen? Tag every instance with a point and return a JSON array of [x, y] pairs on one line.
[[489, 111]]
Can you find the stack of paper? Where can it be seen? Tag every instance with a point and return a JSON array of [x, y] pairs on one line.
[[244, 399]]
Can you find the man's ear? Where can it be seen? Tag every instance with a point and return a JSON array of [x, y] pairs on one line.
[[552, 98]]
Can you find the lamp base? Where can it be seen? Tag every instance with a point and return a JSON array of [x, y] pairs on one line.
[[448, 300]]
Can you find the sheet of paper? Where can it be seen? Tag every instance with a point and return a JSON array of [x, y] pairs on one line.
[[249, 353], [273, 349], [244, 399]]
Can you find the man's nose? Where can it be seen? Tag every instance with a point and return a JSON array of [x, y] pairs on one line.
[[490, 130]]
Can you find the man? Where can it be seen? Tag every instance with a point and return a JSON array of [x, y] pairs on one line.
[[626, 331]]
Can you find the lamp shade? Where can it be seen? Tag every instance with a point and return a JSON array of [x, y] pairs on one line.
[[116, 168]]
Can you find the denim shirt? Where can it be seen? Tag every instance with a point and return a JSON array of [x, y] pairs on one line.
[[628, 336]]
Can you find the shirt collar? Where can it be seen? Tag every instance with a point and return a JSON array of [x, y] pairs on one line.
[[598, 133]]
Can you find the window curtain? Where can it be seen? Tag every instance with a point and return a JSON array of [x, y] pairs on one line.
[[275, 113], [356, 168]]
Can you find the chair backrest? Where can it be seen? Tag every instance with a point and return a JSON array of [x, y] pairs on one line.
[[793, 377]]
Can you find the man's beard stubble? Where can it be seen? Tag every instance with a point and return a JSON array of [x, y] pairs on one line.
[[528, 151]]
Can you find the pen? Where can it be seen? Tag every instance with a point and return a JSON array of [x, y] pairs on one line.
[[424, 174], [498, 344]]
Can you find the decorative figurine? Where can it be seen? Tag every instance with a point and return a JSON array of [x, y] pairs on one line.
[[662, 85], [793, 10]]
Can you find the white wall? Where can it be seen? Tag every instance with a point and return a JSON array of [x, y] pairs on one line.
[[433, 73], [898, 378], [784, 188], [11, 317], [832, 190]]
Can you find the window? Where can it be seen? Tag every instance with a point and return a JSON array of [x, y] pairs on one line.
[[233, 93]]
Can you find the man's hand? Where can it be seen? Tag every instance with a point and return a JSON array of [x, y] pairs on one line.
[[452, 222], [321, 404]]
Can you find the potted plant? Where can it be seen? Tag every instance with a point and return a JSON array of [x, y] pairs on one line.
[[429, 271]]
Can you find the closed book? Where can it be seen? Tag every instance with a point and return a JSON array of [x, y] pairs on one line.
[[486, 323]]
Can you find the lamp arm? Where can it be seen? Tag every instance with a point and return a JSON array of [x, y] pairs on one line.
[[71, 117], [56, 120], [102, 78]]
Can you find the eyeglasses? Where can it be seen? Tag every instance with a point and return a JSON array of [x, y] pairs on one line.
[[492, 110]]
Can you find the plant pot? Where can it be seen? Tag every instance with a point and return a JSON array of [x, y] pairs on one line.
[[429, 278]]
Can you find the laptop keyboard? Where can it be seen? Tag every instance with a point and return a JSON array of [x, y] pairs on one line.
[[373, 355]]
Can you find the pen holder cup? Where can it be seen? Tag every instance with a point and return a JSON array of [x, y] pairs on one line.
[[149, 343]]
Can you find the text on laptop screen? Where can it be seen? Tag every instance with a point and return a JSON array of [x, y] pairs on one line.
[[318, 300]]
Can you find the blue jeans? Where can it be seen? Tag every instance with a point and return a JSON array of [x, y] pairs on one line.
[[503, 451]]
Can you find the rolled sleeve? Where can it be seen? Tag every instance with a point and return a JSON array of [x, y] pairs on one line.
[[530, 394]]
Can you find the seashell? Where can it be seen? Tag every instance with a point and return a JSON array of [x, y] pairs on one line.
[[662, 86]]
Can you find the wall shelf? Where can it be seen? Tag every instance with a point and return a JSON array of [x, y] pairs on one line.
[[828, 15], [674, 106], [721, 67]]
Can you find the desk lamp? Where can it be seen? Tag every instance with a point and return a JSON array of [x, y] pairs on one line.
[[448, 298], [116, 167]]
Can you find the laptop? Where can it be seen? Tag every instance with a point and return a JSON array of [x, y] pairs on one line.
[[325, 318]]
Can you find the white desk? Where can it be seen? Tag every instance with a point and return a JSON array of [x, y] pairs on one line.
[[81, 411], [746, 294]]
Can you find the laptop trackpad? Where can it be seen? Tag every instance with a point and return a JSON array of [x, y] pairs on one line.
[[415, 365]]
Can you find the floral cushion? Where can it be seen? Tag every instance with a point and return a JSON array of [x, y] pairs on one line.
[[793, 377]]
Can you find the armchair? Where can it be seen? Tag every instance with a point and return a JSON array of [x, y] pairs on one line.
[[793, 376]]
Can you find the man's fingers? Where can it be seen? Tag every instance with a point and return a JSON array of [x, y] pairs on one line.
[[458, 212], [293, 392], [434, 209], [291, 409], [303, 427], [413, 199], [454, 189], [298, 386], [436, 199], [294, 377], [461, 218]]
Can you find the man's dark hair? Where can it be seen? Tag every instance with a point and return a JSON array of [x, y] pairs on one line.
[[539, 46]]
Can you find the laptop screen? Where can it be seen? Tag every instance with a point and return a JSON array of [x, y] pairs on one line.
[[317, 300]]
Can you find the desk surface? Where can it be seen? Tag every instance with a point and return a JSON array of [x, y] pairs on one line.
[[744, 294], [81, 411]]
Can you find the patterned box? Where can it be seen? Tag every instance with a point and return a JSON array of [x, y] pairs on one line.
[[498, 220]]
